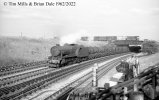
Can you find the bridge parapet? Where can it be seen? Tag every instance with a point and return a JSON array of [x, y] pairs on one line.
[[127, 42]]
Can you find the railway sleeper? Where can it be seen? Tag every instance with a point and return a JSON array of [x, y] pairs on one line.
[[37, 85], [25, 84], [15, 94], [17, 79], [30, 89], [1, 94], [20, 86], [4, 98], [4, 91], [11, 96], [12, 89]]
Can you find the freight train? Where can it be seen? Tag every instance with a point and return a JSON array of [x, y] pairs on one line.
[[111, 38], [73, 53]]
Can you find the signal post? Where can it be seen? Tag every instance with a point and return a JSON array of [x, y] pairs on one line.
[[95, 81]]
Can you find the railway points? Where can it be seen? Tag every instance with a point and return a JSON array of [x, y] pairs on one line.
[[40, 80], [112, 93], [59, 84], [76, 75], [28, 87]]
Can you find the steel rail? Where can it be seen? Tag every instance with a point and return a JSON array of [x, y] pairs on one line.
[[9, 81], [19, 90], [21, 69], [100, 74]]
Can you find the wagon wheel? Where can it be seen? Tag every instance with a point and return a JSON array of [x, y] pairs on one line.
[[74, 61], [58, 65], [62, 62], [70, 62], [78, 60]]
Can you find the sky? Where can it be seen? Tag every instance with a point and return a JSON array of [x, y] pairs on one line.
[[87, 17]]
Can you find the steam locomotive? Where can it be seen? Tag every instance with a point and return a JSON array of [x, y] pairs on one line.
[[73, 53]]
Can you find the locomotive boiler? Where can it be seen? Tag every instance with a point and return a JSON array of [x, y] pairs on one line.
[[67, 54], [73, 53]]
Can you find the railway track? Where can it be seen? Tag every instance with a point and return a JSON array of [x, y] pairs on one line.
[[17, 79], [84, 82], [36, 81], [7, 70]]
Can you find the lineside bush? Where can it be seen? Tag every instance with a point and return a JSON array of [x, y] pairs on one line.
[[150, 47]]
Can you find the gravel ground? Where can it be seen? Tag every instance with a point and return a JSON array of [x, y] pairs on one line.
[[41, 95], [147, 61], [60, 84], [106, 77]]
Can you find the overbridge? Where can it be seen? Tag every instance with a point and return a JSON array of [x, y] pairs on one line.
[[134, 45]]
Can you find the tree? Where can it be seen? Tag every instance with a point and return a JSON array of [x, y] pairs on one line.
[[150, 47]]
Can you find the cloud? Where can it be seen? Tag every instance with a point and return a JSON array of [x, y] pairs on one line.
[[155, 11], [102, 17], [148, 11]]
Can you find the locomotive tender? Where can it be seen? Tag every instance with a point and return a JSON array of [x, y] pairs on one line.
[[73, 53]]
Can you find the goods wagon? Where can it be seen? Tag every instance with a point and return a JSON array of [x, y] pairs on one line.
[[84, 38], [105, 38], [132, 38], [70, 54]]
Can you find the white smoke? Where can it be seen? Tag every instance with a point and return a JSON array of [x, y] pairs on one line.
[[75, 38], [72, 38]]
